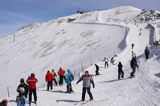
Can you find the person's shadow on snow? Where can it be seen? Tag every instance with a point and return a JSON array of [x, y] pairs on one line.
[[114, 80], [70, 101]]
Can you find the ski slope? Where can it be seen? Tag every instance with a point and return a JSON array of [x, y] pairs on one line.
[[39, 47]]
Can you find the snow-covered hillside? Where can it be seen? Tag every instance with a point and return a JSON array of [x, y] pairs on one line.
[[79, 40]]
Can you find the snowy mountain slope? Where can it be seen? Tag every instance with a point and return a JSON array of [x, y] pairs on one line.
[[91, 36], [38, 48]]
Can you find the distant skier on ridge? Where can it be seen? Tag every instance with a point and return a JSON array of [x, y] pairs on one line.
[[147, 53]]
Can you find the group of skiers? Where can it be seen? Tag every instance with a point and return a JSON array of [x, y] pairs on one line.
[[133, 63], [23, 90], [30, 88]]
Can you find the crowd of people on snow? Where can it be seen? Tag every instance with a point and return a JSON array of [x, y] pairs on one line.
[[29, 87], [133, 63]]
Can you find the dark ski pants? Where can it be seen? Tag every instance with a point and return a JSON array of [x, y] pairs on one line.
[[106, 64], [147, 56], [69, 88], [84, 93], [61, 80], [49, 85], [97, 72], [133, 71], [34, 94], [120, 74]]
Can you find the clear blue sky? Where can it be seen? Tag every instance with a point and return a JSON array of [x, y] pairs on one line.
[[17, 13]]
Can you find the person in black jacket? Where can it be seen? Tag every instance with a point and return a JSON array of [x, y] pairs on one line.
[[120, 71], [22, 88], [133, 65], [23, 92], [146, 51], [97, 69]]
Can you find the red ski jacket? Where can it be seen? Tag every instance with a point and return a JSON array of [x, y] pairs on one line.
[[61, 72], [49, 77], [32, 82]]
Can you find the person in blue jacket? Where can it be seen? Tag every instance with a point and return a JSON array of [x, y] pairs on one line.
[[69, 78]]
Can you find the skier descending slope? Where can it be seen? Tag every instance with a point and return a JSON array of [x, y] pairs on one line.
[[87, 80], [23, 92], [69, 78], [32, 87], [120, 71], [49, 80], [133, 65]]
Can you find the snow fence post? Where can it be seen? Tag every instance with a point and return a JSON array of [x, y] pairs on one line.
[[8, 91], [82, 66]]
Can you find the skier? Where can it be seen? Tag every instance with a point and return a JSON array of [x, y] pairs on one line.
[[112, 60], [69, 78], [146, 51], [105, 62], [132, 45], [54, 75], [87, 80], [120, 71], [97, 69], [61, 73], [23, 92], [49, 80], [133, 55], [133, 65], [32, 80]]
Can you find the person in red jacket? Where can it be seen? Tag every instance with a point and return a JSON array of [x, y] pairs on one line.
[[61, 73], [31, 81], [49, 80]]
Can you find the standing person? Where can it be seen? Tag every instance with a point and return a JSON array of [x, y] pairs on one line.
[[32, 80], [105, 62], [97, 69], [146, 51], [22, 89], [112, 60], [133, 65], [87, 81], [132, 45], [49, 80], [61, 73], [120, 71], [54, 75], [69, 78], [133, 54]]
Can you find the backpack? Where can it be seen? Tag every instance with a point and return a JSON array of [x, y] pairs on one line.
[[72, 77]]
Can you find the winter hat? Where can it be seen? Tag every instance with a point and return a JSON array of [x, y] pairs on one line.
[[86, 73], [32, 75], [21, 80], [68, 71]]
